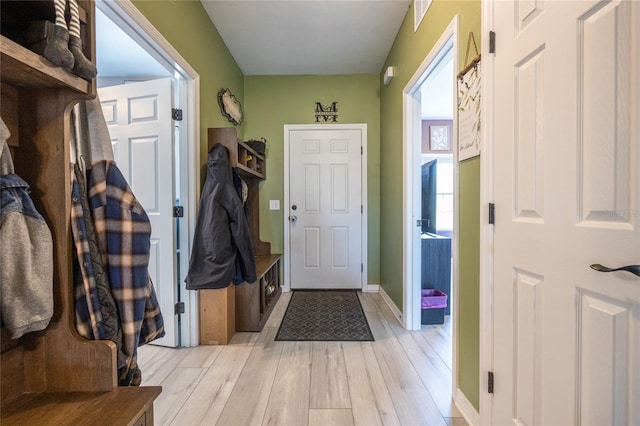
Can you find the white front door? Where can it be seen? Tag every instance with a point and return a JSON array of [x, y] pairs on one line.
[[567, 195], [138, 116], [325, 208]]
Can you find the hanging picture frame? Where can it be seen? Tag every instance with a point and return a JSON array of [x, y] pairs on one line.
[[230, 107], [439, 139], [469, 113]]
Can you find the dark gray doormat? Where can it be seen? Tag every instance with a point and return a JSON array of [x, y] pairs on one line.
[[324, 315]]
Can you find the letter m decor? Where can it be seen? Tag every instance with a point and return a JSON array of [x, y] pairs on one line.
[[326, 113]]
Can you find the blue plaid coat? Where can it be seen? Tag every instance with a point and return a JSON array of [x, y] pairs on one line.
[[123, 233]]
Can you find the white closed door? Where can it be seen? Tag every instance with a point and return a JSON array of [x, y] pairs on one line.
[[139, 119], [325, 208], [567, 195]]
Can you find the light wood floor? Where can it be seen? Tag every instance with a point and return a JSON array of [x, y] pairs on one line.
[[403, 378]]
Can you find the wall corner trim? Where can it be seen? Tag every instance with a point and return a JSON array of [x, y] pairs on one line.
[[467, 409]]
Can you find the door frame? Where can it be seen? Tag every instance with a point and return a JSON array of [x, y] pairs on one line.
[[363, 179], [411, 190], [138, 27], [486, 230], [411, 116]]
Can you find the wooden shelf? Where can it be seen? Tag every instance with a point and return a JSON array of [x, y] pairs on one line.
[[254, 302], [123, 406], [24, 68], [250, 164], [250, 161]]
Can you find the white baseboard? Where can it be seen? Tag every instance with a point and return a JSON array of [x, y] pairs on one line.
[[466, 408], [373, 288], [396, 312]]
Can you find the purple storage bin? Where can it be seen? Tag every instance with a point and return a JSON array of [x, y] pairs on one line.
[[432, 298]]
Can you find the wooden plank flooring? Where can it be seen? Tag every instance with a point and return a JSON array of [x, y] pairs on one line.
[[402, 378]]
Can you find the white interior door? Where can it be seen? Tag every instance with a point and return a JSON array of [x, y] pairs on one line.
[[138, 116], [567, 149], [325, 208]]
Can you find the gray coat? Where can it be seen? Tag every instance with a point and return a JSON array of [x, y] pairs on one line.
[[26, 253]]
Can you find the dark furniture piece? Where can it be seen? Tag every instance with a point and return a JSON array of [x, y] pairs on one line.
[[429, 193], [436, 265]]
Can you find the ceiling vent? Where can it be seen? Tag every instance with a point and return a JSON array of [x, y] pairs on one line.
[[419, 10]]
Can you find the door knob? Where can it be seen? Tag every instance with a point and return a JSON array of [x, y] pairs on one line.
[[293, 219], [634, 269]]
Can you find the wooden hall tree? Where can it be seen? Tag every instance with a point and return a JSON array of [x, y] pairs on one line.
[[55, 374]]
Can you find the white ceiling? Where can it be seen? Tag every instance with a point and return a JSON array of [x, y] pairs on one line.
[[289, 37], [286, 38]]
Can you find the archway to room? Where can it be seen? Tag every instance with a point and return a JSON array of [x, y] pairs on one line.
[[430, 194]]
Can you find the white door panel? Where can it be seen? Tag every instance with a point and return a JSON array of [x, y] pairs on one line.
[[138, 116], [567, 144], [325, 188]]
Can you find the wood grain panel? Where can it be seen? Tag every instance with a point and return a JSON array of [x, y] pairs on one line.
[[333, 417], [209, 396], [370, 400], [329, 387], [248, 401], [292, 380]]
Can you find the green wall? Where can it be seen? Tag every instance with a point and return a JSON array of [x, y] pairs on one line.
[[408, 51], [468, 337], [271, 102], [186, 25]]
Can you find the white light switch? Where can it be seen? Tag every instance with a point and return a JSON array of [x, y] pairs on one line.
[[274, 204]]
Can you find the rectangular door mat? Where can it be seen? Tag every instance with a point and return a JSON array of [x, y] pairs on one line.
[[324, 315]]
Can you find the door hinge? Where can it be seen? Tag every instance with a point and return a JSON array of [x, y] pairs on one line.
[[361, 209], [178, 211], [179, 308], [490, 382], [492, 214], [361, 150], [176, 114], [492, 42], [362, 267]]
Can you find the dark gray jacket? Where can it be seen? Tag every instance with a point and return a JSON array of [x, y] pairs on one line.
[[222, 231]]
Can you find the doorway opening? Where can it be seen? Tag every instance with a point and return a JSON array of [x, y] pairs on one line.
[[436, 186], [142, 58], [430, 192]]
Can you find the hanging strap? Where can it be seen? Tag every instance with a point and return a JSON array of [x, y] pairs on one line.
[[475, 60]]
